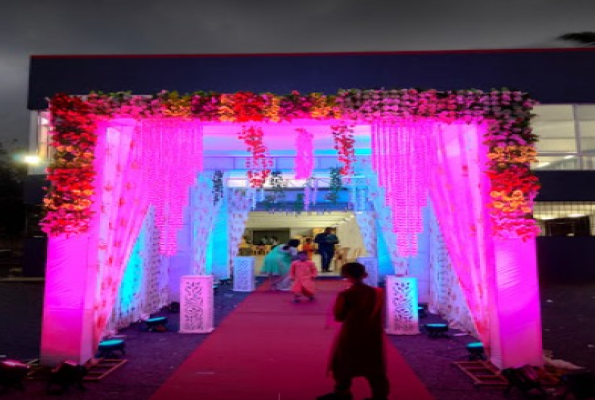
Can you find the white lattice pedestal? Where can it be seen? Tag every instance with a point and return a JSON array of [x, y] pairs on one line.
[[243, 274], [371, 264], [196, 304], [401, 306]]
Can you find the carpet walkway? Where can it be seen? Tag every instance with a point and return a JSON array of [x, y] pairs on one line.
[[272, 349]]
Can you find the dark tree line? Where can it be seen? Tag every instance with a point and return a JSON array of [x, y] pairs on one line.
[[12, 175]]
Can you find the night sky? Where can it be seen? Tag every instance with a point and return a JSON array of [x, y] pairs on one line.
[[31, 27]]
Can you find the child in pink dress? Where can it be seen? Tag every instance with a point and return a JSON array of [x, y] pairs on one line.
[[303, 272]]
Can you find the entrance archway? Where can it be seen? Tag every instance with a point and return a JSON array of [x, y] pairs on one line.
[[126, 162]]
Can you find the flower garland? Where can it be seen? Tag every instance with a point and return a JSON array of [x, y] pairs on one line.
[[69, 200], [509, 138], [259, 165], [344, 141]]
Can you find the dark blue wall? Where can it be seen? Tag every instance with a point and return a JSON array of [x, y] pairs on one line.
[[566, 259], [551, 76], [566, 185]]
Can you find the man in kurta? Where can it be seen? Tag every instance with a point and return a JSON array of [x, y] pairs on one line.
[[359, 346]]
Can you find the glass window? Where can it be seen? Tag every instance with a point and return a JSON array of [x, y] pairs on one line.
[[554, 124], [565, 218], [556, 162]]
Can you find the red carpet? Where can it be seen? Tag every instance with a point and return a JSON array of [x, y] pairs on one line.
[[272, 349]]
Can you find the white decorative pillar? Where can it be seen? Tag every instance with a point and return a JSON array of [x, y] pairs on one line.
[[196, 304], [371, 264], [401, 306], [243, 274]]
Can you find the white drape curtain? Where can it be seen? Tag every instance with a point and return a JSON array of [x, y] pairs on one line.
[[445, 293], [240, 203], [140, 291], [204, 212]]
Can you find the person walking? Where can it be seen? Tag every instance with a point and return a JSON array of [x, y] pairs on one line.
[[359, 348], [277, 263], [303, 272], [326, 242]]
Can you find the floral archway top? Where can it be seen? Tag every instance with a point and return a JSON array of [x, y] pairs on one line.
[[509, 138]]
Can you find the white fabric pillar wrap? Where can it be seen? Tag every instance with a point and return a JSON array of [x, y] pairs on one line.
[[371, 264], [401, 306], [196, 304], [515, 320], [243, 274], [68, 301]]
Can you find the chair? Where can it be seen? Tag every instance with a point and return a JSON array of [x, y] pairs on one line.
[[357, 252], [341, 257]]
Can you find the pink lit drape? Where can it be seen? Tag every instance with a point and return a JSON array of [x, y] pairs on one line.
[[458, 192], [123, 205], [153, 162]]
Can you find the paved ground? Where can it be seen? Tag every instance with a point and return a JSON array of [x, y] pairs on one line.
[[568, 321]]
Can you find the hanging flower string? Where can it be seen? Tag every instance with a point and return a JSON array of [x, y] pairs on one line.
[[344, 141], [304, 160], [259, 164], [510, 139]]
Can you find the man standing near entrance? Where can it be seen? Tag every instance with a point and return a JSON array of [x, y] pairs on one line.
[[326, 242]]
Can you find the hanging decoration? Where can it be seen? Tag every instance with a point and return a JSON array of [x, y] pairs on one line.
[[304, 158], [403, 160], [344, 144], [259, 164], [172, 158]]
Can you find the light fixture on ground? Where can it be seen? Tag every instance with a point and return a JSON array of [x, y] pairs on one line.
[[65, 375], [12, 374], [476, 351], [436, 330], [108, 348], [156, 324]]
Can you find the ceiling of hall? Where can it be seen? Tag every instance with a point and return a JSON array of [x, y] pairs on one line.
[[265, 220]]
